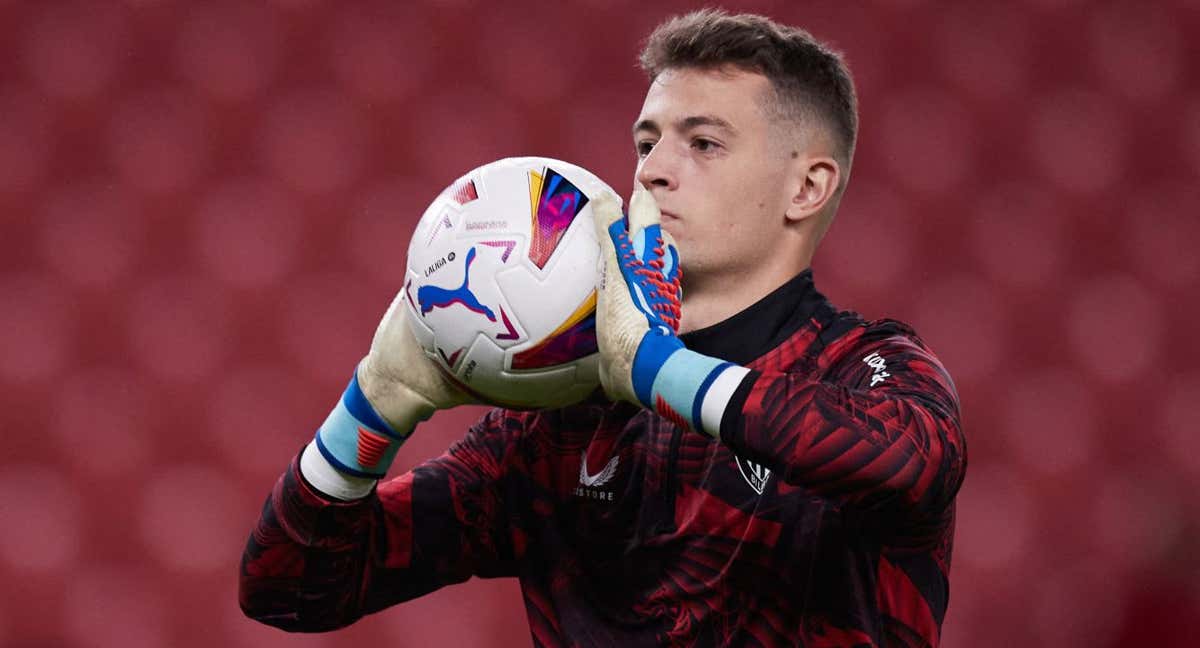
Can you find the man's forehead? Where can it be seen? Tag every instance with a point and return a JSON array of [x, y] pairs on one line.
[[690, 97]]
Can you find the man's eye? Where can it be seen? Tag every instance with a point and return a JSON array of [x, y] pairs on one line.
[[704, 145], [643, 148]]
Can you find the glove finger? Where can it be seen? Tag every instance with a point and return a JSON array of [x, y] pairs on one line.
[[606, 210], [619, 324], [643, 210]]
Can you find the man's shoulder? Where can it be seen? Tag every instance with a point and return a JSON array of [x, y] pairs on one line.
[[848, 334], [851, 328], [885, 351], [827, 335]]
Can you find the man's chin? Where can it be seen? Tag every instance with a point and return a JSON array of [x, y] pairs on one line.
[[671, 226]]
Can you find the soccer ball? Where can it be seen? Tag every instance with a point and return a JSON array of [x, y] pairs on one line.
[[501, 282]]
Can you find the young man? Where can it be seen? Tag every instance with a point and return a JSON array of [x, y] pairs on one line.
[[782, 473]]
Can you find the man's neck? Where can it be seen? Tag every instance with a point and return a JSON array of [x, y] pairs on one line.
[[710, 300]]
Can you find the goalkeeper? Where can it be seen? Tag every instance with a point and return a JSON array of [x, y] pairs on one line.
[[762, 467]]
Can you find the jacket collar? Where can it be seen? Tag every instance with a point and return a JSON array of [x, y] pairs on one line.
[[763, 325]]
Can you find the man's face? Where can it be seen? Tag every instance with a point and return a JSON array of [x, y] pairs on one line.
[[705, 152]]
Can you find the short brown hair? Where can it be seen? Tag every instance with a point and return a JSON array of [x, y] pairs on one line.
[[809, 78]]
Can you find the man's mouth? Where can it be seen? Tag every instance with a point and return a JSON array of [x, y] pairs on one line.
[[668, 217]]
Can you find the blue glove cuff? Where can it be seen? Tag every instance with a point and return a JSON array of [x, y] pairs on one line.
[[672, 380], [667, 378], [355, 439]]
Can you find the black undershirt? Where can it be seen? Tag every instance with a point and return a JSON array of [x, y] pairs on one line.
[[763, 325]]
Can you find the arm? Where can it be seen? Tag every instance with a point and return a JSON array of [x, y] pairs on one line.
[[331, 547], [315, 563], [881, 434]]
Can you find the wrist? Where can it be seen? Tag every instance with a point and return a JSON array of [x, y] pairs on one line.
[[357, 440], [690, 389], [330, 481], [396, 403]]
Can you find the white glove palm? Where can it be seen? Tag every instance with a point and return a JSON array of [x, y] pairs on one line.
[[400, 381]]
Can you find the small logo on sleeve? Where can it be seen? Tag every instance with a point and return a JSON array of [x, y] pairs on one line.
[[876, 362], [755, 474]]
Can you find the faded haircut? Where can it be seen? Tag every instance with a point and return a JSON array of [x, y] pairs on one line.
[[810, 80]]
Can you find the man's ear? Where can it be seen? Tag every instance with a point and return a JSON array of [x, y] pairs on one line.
[[816, 184]]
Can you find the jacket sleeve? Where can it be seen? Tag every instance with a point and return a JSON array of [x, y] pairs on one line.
[[878, 433], [314, 564]]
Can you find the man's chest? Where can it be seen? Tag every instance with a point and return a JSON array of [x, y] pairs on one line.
[[644, 512], [641, 481]]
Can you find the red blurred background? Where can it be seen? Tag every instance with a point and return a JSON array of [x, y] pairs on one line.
[[205, 209]]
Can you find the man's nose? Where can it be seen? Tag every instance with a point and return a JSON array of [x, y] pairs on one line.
[[658, 168]]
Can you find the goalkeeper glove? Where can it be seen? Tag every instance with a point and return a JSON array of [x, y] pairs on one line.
[[642, 360], [394, 387]]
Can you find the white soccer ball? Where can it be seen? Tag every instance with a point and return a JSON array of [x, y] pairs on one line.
[[501, 282]]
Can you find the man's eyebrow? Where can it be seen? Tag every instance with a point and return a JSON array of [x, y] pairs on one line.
[[689, 123], [646, 125], [686, 124]]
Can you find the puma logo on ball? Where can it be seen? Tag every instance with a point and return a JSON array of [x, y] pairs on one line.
[[431, 297]]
